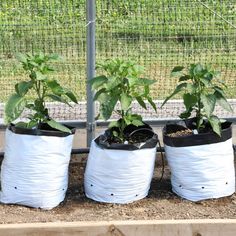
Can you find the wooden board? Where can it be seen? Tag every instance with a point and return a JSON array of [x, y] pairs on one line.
[[124, 228]]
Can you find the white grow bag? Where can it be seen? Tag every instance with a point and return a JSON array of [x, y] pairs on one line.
[[118, 176], [202, 171], [34, 170]]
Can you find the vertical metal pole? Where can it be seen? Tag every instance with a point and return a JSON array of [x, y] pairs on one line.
[[91, 15]]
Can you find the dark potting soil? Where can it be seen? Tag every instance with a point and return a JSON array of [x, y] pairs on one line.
[[133, 134], [135, 138], [188, 127], [180, 133]]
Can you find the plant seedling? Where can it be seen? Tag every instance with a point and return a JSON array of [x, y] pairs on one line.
[[122, 83], [43, 88], [201, 90]]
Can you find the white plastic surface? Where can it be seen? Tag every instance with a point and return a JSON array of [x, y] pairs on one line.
[[118, 176], [202, 172], [34, 170]]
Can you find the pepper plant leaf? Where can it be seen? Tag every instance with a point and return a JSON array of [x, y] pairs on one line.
[[114, 123], [200, 93], [14, 108], [189, 100], [208, 102], [215, 124], [141, 102], [54, 124], [137, 122], [152, 103], [23, 87], [55, 87], [178, 89], [58, 98], [177, 71], [221, 100], [98, 81], [40, 76], [107, 107], [71, 96]]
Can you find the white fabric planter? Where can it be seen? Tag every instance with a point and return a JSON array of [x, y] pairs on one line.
[[203, 171], [118, 176], [34, 170]]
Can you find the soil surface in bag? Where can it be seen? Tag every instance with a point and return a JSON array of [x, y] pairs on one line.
[[184, 134], [136, 138]]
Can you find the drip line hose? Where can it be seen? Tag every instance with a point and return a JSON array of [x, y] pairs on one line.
[[160, 148], [162, 162]]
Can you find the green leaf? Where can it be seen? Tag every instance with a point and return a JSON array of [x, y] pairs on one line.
[[219, 90], [21, 124], [208, 102], [23, 87], [191, 88], [215, 124], [107, 107], [177, 71], [33, 64], [221, 100], [146, 90], [115, 133], [198, 69], [205, 81], [133, 81], [152, 103], [58, 126], [40, 76], [128, 120], [55, 57], [113, 124], [184, 78], [98, 81], [137, 122], [144, 81], [103, 97], [21, 57], [189, 100], [55, 87], [32, 124], [14, 108], [178, 89], [185, 114], [72, 97], [125, 101], [113, 83], [141, 102], [98, 93], [57, 98]]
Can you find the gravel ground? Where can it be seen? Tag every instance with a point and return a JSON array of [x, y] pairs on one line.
[[161, 204]]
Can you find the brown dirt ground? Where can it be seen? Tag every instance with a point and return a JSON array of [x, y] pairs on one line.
[[160, 204]]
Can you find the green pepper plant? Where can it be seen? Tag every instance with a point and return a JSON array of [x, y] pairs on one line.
[[44, 88], [121, 83], [201, 89]]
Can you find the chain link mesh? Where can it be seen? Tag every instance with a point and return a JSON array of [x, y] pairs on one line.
[[158, 34]]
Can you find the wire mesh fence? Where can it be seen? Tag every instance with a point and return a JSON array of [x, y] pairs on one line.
[[158, 34]]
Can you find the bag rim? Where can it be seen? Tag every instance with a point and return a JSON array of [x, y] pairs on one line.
[[198, 139], [40, 132]]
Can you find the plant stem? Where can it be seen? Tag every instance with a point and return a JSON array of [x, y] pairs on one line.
[[198, 114]]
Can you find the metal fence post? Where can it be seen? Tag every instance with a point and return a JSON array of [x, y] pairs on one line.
[[91, 16]]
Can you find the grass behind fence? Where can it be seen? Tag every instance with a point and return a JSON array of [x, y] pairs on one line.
[[158, 34]]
